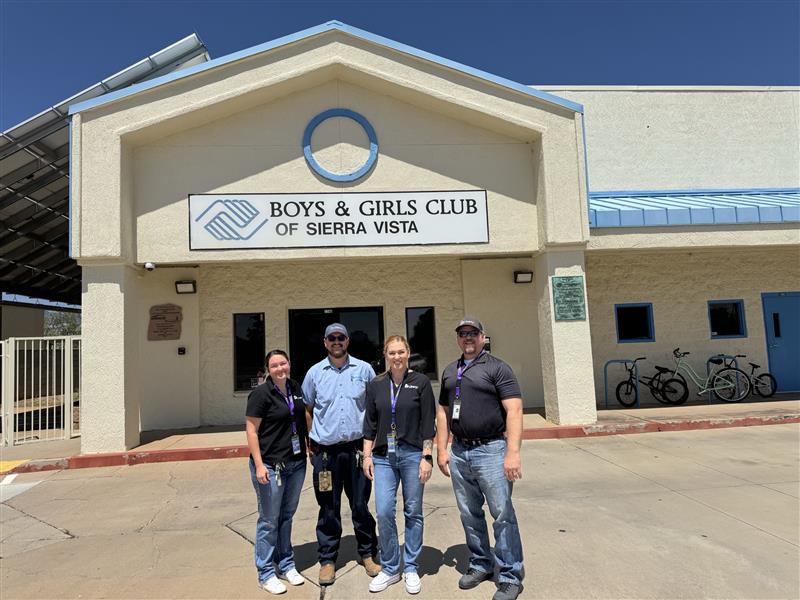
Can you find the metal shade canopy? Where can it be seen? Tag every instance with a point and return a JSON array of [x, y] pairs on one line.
[[34, 184]]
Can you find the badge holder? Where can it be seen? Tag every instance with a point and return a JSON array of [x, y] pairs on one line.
[[325, 482], [456, 411], [391, 441], [296, 444]]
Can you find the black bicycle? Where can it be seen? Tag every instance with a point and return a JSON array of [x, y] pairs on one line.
[[658, 384], [764, 384]]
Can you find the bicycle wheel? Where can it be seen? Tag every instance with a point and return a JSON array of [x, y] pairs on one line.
[[674, 391], [765, 385], [730, 385], [626, 393]]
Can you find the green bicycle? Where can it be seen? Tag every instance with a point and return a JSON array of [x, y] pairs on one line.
[[728, 384]]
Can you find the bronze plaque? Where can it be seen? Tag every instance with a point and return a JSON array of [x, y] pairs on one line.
[[569, 302], [165, 322]]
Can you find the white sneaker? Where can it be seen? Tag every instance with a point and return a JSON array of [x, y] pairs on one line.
[[274, 586], [293, 577], [383, 581], [413, 584]]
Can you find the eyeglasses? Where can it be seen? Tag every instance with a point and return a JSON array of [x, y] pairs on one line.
[[336, 338], [469, 333]]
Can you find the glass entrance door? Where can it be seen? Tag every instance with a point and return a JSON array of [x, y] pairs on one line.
[[307, 328]]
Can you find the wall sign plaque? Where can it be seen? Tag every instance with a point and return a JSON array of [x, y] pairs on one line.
[[165, 322], [569, 301], [237, 221]]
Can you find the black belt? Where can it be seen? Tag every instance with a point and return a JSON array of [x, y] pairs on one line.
[[473, 442], [341, 446]]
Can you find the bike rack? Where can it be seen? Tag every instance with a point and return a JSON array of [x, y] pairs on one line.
[[624, 361], [722, 356], [708, 371]]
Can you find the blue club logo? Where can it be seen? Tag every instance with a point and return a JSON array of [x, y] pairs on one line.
[[232, 220]]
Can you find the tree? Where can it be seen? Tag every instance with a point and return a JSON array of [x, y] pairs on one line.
[[58, 322]]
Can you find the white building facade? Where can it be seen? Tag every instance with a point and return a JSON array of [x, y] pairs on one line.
[[431, 191]]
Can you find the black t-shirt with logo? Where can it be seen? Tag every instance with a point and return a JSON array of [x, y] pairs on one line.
[[415, 410], [485, 383], [275, 430]]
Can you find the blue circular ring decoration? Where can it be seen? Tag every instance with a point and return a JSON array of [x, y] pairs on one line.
[[349, 114]]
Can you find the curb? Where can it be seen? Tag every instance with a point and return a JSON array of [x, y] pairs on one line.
[[132, 457]]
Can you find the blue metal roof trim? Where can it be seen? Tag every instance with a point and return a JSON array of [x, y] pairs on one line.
[[693, 207], [312, 31]]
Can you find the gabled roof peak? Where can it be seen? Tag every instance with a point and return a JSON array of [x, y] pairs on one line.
[[333, 25]]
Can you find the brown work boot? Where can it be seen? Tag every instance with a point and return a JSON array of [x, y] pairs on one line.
[[327, 574], [370, 566]]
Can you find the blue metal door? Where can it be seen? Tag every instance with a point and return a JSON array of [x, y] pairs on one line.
[[782, 322]]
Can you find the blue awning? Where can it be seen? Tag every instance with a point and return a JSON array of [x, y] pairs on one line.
[[693, 207]]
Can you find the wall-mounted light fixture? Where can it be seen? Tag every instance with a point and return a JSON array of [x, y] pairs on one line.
[[523, 276], [188, 286]]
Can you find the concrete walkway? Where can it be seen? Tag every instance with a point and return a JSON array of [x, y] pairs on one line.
[[228, 442], [690, 514]]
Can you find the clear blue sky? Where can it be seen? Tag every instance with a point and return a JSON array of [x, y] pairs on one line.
[[50, 50]]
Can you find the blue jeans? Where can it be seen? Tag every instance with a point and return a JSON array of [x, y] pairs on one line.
[[478, 474], [390, 470], [276, 507]]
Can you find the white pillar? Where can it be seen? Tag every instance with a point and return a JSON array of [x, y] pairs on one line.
[[565, 345], [109, 359]]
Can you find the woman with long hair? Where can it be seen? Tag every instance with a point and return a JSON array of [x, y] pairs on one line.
[[399, 426], [276, 436]]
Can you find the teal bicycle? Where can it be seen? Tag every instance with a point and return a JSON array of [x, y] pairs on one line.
[[728, 384]]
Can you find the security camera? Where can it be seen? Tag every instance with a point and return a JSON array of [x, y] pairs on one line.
[[150, 266]]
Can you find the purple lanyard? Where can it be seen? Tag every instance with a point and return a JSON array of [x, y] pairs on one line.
[[462, 367], [394, 393], [289, 398]]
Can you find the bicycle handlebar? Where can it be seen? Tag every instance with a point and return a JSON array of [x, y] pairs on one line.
[[678, 354]]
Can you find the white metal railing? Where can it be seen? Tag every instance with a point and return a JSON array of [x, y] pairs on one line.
[[40, 388]]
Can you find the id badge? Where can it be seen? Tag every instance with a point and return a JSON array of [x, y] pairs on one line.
[[391, 443], [295, 444], [456, 411], [325, 481]]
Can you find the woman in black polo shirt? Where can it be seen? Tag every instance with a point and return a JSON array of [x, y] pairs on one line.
[[399, 426], [276, 436]]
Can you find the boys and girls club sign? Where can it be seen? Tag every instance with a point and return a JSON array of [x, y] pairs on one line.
[[228, 221], [237, 221]]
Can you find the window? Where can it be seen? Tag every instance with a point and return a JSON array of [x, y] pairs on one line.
[[634, 322], [726, 318], [248, 350], [421, 335]]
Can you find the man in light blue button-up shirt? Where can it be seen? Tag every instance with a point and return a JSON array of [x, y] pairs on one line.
[[334, 390]]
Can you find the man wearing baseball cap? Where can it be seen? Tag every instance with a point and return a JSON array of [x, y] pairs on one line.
[[481, 404], [334, 390]]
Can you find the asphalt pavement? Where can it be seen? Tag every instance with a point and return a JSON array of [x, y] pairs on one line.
[[689, 514]]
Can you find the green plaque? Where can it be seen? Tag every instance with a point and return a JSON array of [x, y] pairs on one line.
[[568, 299]]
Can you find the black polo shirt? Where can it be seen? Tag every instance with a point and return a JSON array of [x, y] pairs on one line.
[[484, 384], [415, 411], [275, 430]]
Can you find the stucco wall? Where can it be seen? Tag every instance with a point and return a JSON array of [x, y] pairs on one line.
[[259, 151], [274, 289], [679, 285], [170, 383], [657, 138], [508, 311]]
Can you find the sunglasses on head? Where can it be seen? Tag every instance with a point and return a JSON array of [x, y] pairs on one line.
[[336, 338], [469, 333]]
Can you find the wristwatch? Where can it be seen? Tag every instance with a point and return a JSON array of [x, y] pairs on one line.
[[428, 457]]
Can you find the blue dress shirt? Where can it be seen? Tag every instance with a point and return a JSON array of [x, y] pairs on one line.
[[337, 399]]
